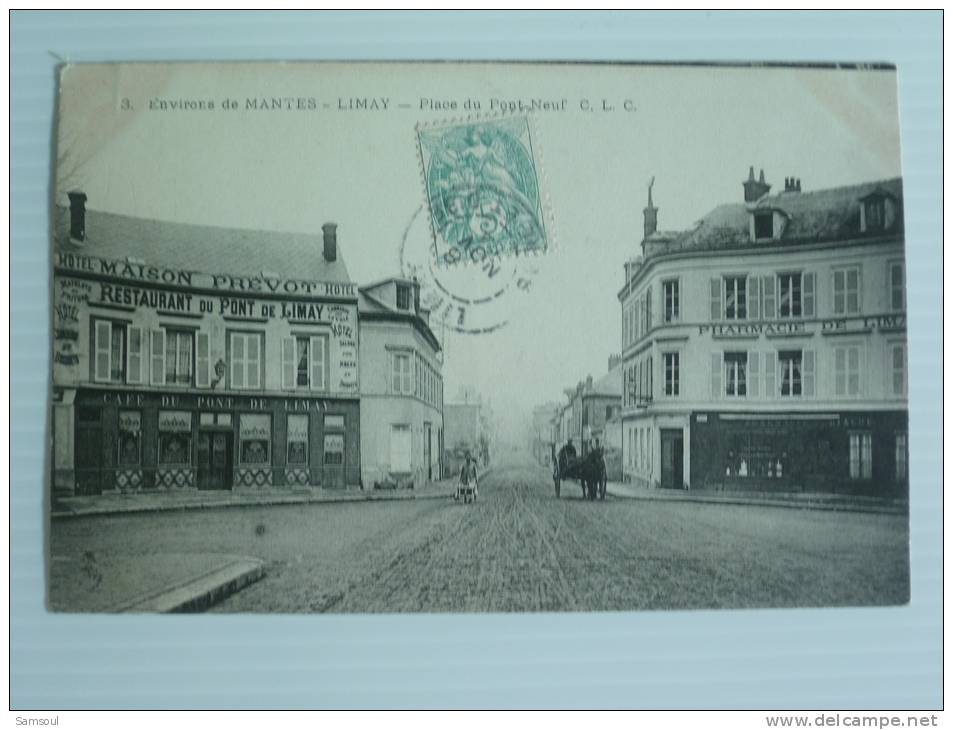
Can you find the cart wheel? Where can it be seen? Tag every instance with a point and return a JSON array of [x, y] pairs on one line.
[[556, 482]]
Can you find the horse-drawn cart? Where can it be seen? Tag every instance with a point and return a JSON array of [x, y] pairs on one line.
[[589, 470]]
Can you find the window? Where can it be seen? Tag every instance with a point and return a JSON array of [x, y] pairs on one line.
[[297, 439], [109, 364], [178, 357], [245, 357], [402, 377], [670, 295], [175, 438], [334, 449], [736, 297], [790, 363], [400, 448], [671, 373], [764, 225], [847, 371], [403, 296], [334, 420], [897, 293], [130, 439], [789, 288], [304, 362], [861, 461], [874, 214], [900, 457], [736, 365], [847, 290], [898, 368], [608, 413], [254, 434]]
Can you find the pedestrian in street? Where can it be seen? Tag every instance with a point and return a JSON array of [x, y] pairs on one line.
[[472, 478], [464, 476]]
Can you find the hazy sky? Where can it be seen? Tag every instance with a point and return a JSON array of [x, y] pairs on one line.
[[695, 129]]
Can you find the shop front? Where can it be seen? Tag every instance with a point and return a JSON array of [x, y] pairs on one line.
[[140, 440]]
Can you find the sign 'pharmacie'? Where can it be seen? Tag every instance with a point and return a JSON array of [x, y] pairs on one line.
[[137, 271], [836, 325]]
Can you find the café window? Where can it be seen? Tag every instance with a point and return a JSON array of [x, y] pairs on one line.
[[736, 366], [789, 290], [847, 371], [130, 438], [670, 360], [847, 290], [670, 296], [110, 352], [736, 297], [175, 438], [178, 357], [297, 439], [791, 365], [245, 360], [304, 362], [254, 434], [403, 296], [861, 456], [402, 382], [897, 293], [334, 449], [900, 457]]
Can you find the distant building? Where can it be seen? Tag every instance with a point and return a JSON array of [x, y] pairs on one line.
[[765, 348], [593, 403], [543, 438], [402, 387], [194, 357], [466, 429]]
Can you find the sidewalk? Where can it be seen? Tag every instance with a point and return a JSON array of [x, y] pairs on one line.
[[157, 501], [797, 500]]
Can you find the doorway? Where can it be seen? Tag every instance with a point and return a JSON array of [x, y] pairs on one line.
[[672, 445], [89, 450], [215, 460]]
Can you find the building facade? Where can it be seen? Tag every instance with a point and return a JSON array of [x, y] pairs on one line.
[[592, 405], [466, 429], [765, 348], [543, 432], [402, 429], [193, 357]]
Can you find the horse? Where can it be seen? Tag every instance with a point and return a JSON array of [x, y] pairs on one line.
[[590, 470]]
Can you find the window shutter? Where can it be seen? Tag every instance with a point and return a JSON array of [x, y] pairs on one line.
[[770, 374], [158, 357], [253, 362], [715, 297], [807, 374], [648, 309], [754, 298], [133, 354], [203, 373], [237, 361], [289, 368], [317, 364], [102, 364], [754, 374], [768, 301], [716, 375], [807, 289]]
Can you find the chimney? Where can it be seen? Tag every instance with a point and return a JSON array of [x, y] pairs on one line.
[[755, 189], [792, 184], [330, 241], [77, 216], [650, 214], [588, 382], [614, 361]]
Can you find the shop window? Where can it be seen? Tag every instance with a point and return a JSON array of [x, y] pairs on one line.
[[175, 438], [861, 456], [297, 439], [898, 368], [245, 360], [254, 433], [178, 357], [791, 366], [900, 457], [847, 372], [109, 361], [334, 449], [897, 292], [736, 367], [402, 382], [670, 360], [130, 438], [847, 290], [670, 297], [736, 297]]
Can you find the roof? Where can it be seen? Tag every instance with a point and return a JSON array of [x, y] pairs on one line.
[[370, 306], [813, 216], [206, 249], [609, 385]]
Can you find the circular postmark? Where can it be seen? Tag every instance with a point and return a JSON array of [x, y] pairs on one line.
[[470, 299]]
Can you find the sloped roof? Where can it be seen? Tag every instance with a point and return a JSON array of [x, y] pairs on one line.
[[371, 306], [813, 216], [206, 249], [609, 384]]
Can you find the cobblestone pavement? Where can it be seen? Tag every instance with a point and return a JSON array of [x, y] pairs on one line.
[[520, 549]]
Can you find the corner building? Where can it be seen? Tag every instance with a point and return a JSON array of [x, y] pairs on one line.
[[193, 357], [766, 347]]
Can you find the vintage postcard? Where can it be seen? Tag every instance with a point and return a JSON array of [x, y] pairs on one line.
[[482, 337]]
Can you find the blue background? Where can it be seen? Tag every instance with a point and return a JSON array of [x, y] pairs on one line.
[[885, 658]]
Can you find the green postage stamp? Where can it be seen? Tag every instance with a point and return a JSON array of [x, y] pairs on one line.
[[483, 189]]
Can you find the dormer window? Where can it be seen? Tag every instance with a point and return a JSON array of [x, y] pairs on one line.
[[403, 296], [874, 214], [764, 225], [879, 211]]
